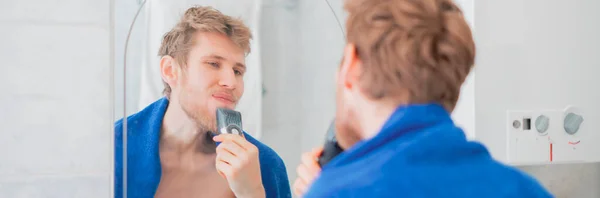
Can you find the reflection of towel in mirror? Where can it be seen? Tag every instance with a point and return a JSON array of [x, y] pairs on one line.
[[420, 152], [143, 163], [162, 15]]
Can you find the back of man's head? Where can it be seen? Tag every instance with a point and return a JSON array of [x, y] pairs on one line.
[[178, 42], [415, 50]]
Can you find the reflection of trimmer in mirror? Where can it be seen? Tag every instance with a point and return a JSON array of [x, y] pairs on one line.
[[229, 121], [331, 147]]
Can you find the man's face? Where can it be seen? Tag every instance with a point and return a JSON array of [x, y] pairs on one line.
[[213, 78], [346, 123]]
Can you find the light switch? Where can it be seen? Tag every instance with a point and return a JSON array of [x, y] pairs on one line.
[[572, 122], [572, 141], [542, 123]]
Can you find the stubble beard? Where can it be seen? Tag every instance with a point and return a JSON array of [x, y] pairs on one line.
[[205, 125]]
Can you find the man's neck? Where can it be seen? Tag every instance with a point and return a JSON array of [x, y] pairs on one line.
[[373, 115], [182, 134]]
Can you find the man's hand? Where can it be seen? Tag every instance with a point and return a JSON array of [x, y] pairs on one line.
[[307, 171], [237, 161]]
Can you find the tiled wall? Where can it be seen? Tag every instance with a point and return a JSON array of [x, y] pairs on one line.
[[55, 105]]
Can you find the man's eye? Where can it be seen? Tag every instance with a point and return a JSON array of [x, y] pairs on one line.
[[214, 64], [237, 72]]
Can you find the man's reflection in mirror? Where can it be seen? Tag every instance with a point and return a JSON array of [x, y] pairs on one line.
[[171, 145]]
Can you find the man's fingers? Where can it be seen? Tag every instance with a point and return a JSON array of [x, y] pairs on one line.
[[299, 187], [236, 139], [231, 147], [228, 158], [224, 169], [307, 171], [316, 152], [311, 163], [303, 174]]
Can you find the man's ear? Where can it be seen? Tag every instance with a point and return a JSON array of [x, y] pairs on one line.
[[168, 70], [351, 67]]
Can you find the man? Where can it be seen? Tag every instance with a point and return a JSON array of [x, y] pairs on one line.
[[399, 80], [171, 149]]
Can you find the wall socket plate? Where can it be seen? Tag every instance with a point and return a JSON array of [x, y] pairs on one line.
[[540, 137], [525, 144]]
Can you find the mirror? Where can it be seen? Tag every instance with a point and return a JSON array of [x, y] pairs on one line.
[[288, 82]]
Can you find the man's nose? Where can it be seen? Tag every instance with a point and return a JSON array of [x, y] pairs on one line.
[[227, 78]]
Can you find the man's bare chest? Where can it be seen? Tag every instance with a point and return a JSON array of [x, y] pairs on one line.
[[190, 176]]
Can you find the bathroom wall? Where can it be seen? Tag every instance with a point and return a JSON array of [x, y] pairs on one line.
[[56, 103], [539, 54]]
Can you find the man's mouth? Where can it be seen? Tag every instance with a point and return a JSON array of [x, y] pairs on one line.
[[224, 97]]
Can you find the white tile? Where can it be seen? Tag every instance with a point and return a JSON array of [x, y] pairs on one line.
[[56, 61], [57, 187], [54, 136], [56, 113], [56, 11]]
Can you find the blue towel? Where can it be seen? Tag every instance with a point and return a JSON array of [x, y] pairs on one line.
[[419, 152], [143, 163]]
